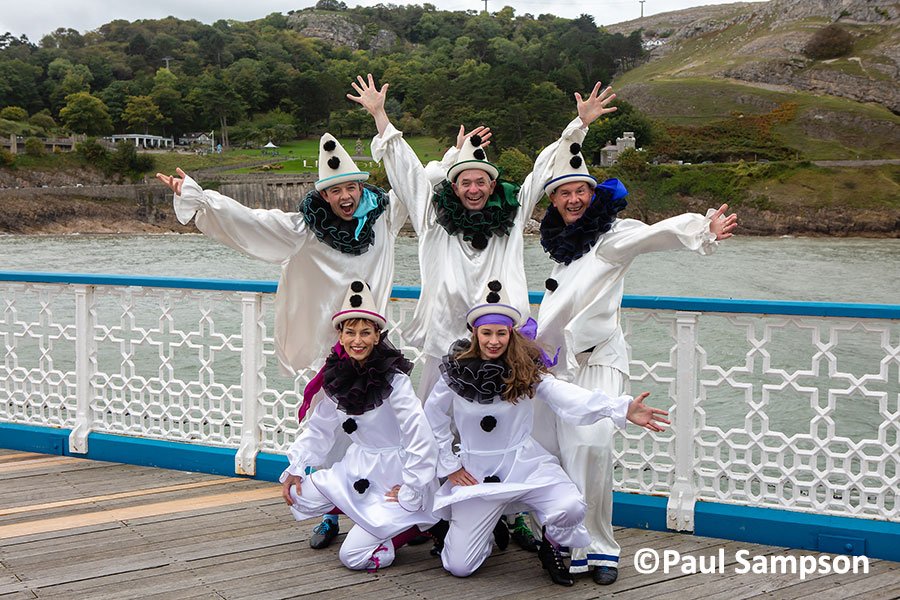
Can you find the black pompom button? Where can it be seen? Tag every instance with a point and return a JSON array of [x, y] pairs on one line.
[[479, 154], [551, 284], [488, 423], [479, 241], [476, 140], [575, 148], [361, 485], [493, 298], [349, 425], [355, 300], [492, 479], [334, 162], [329, 146], [356, 286], [575, 162], [495, 286]]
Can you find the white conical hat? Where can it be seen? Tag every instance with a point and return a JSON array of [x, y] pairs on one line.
[[568, 166], [472, 156], [495, 302], [335, 164], [358, 304]]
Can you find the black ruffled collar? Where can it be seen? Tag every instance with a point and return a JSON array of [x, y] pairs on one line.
[[566, 243], [337, 233], [475, 379], [359, 388], [477, 226]]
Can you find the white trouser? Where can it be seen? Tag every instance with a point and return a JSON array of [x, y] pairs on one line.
[[360, 550], [469, 539], [585, 453]]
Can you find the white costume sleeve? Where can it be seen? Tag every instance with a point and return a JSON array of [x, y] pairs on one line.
[[270, 235], [533, 187], [417, 440], [630, 237], [578, 406], [314, 442], [409, 183], [439, 410], [437, 170]]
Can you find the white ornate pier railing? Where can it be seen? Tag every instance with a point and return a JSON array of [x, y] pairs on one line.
[[777, 404]]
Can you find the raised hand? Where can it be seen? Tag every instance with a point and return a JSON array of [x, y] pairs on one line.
[[646, 416], [372, 99], [174, 183], [482, 131], [286, 488], [461, 477], [721, 225], [595, 105]]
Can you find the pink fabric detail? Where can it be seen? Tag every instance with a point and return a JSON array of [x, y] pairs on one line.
[[376, 562], [403, 538], [315, 384]]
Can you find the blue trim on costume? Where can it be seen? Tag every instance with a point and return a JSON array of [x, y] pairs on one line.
[[330, 177], [721, 305], [609, 557], [581, 177]]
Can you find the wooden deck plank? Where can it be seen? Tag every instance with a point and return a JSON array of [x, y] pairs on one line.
[[252, 548]]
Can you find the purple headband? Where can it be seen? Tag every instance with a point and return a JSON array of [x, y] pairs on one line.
[[493, 319]]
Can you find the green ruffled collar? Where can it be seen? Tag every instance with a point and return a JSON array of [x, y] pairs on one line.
[[477, 226]]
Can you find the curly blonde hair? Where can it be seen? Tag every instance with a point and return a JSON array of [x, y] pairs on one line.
[[523, 357]]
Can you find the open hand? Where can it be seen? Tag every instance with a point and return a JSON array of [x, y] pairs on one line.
[[482, 131], [461, 477], [286, 488], [646, 416], [595, 105], [721, 225], [370, 97], [174, 183]]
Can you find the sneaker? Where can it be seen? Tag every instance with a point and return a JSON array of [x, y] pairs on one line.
[[523, 536], [501, 534], [438, 532], [323, 534], [605, 575], [553, 562]]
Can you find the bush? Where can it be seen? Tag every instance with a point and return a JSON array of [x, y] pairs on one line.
[[7, 158], [93, 153], [632, 161], [34, 147], [514, 165], [832, 41], [13, 113], [42, 120]]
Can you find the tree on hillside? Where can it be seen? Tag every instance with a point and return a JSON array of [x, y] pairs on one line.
[[141, 113], [84, 113], [14, 113], [213, 96]]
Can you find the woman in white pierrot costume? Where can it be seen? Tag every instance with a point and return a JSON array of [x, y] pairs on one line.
[[386, 480], [487, 389]]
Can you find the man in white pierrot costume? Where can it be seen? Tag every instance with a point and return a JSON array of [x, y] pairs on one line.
[[344, 230], [579, 314]]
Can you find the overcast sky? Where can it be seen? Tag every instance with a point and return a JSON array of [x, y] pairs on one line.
[[36, 19]]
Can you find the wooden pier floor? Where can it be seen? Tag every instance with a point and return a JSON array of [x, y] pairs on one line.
[[74, 528]]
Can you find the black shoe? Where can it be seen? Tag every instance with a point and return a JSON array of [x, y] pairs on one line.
[[323, 534], [438, 532], [523, 536], [553, 562], [501, 534], [605, 575], [419, 540]]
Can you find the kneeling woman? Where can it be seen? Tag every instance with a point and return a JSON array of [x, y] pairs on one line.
[[386, 481], [487, 389]]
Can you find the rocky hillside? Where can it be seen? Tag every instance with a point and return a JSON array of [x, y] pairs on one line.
[[762, 44], [341, 29]]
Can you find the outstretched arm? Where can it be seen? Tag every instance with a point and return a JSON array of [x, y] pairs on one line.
[[372, 99], [269, 235]]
